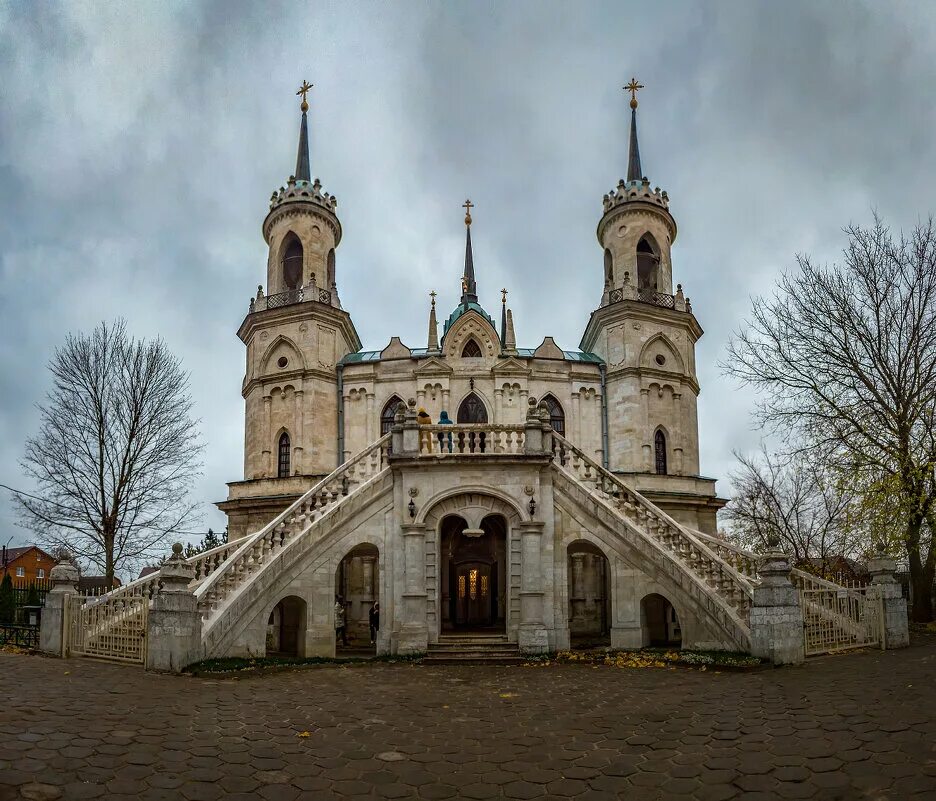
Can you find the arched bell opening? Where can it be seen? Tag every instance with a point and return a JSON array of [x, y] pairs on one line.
[[659, 622], [330, 268], [292, 262], [608, 269], [473, 575], [286, 627], [589, 584], [357, 583], [648, 264]]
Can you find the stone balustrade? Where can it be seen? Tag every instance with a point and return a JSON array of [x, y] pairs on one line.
[[476, 440]]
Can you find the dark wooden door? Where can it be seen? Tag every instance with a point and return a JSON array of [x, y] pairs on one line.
[[474, 589]]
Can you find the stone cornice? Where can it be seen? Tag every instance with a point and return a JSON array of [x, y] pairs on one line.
[[297, 207], [309, 310], [635, 208], [627, 310]]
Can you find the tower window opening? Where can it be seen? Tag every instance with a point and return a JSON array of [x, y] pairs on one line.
[[471, 410], [292, 263], [387, 415], [472, 350], [648, 265], [659, 448], [608, 268], [283, 463], [330, 268], [556, 415]]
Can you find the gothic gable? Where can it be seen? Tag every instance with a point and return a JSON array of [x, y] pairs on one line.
[[548, 350], [471, 326], [282, 355], [395, 350], [510, 366], [659, 353], [431, 367]]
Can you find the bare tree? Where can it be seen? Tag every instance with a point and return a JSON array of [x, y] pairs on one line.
[[798, 501], [116, 453], [846, 357]]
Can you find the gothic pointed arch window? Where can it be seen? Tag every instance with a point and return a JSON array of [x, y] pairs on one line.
[[292, 262], [472, 410], [330, 268], [556, 415], [608, 268], [388, 413], [282, 468], [472, 349], [648, 264], [659, 450]]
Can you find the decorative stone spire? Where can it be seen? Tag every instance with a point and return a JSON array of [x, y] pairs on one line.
[[633, 162], [503, 334], [303, 171], [510, 339], [433, 326], [469, 287]]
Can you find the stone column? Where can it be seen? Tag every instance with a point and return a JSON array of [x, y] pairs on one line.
[[371, 420], [533, 430], [896, 624], [300, 434], [531, 636], [445, 402], [266, 451], [776, 615], [677, 435], [499, 407], [577, 567], [414, 631], [173, 626], [576, 432], [646, 445], [53, 623]]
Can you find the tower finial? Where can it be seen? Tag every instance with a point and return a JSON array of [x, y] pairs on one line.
[[633, 161], [633, 87], [469, 287], [503, 335], [304, 90], [433, 341]]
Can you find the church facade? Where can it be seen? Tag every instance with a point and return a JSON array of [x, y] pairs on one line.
[[626, 400]]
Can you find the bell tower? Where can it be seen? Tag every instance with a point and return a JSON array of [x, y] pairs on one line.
[[646, 333], [296, 334]]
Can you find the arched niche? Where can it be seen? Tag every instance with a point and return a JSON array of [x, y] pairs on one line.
[[291, 262], [659, 622], [286, 625], [472, 410], [648, 264], [589, 592]]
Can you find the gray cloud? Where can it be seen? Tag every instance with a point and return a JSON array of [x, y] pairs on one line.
[[139, 145]]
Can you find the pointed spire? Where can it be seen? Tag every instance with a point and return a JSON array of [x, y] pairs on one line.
[[433, 326], [633, 161], [469, 287], [503, 317], [510, 339], [303, 170]]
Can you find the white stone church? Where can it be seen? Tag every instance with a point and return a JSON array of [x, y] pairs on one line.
[[486, 495]]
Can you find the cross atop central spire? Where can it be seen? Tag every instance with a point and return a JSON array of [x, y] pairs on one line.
[[469, 287], [633, 161], [303, 169]]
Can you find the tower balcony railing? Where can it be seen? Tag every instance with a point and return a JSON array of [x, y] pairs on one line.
[[676, 302], [289, 297], [479, 439]]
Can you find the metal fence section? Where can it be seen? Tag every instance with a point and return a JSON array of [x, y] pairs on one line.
[[842, 618], [107, 628]]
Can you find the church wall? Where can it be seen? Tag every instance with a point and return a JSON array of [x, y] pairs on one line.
[[317, 239]]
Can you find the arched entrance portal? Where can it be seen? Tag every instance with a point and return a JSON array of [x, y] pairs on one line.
[[474, 574], [659, 622], [357, 581], [286, 627], [589, 595]]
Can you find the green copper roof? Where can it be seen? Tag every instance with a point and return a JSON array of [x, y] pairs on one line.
[[460, 309]]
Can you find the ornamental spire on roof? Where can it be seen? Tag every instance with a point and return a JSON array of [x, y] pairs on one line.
[[633, 161], [503, 317], [303, 171], [433, 326], [469, 287]]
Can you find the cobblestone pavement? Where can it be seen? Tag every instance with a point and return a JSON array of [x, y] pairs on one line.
[[850, 727]]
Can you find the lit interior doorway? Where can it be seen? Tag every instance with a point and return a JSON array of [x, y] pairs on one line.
[[474, 575]]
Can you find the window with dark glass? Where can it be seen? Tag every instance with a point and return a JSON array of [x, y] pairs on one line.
[[472, 410], [472, 350], [292, 263], [556, 415], [387, 415], [659, 445], [283, 468]]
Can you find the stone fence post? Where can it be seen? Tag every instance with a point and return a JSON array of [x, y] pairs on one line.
[[173, 625], [533, 430], [410, 429], [896, 624], [776, 615], [53, 624]]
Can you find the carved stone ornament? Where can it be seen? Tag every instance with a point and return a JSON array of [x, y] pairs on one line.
[[473, 532], [413, 492], [528, 489]]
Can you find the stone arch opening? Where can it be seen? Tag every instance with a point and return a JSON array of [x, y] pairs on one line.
[[473, 574], [659, 622], [357, 589], [286, 625], [556, 414], [330, 268], [291, 262], [648, 264], [659, 452], [472, 410], [608, 268], [589, 584]]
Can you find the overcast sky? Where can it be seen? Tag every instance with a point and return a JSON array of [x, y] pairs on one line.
[[139, 145]]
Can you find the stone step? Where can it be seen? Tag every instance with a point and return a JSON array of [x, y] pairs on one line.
[[473, 649]]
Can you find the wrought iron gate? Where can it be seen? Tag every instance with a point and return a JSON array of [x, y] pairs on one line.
[[836, 619], [107, 628]]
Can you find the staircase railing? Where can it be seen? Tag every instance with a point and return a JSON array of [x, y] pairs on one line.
[[253, 552], [731, 585]]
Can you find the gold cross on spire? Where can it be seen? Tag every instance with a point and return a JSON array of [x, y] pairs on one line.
[[433, 296], [633, 87], [503, 296], [467, 206], [304, 90]]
